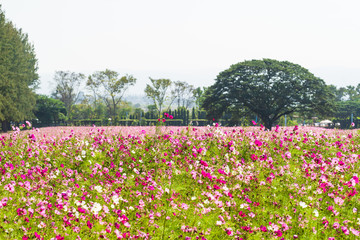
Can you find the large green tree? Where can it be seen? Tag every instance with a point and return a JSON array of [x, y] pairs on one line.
[[18, 74], [49, 109], [157, 92], [68, 88], [110, 87], [269, 89]]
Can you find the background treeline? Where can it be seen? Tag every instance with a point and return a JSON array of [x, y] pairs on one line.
[[179, 99], [99, 99]]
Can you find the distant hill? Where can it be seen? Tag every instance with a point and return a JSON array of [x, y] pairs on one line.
[[142, 100]]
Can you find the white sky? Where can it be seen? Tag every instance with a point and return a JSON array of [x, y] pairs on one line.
[[189, 40]]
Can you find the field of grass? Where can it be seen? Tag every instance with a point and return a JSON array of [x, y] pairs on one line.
[[179, 183]]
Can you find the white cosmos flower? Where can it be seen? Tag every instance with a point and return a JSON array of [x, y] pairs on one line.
[[116, 199], [96, 208], [98, 188], [302, 204], [316, 213]]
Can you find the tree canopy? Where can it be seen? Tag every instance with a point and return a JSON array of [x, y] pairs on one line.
[[67, 87], [49, 109], [18, 74], [112, 88], [269, 89], [157, 92]]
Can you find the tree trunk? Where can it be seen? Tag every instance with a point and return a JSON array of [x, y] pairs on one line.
[[5, 126], [268, 124]]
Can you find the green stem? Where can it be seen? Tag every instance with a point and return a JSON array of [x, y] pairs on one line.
[[167, 206]]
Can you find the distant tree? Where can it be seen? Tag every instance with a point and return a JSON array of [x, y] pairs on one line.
[[18, 74], [151, 111], [178, 91], [67, 88], [351, 92], [188, 96], [94, 86], [357, 89], [125, 109], [182, 92], [269, 89], [198, 94], [344, 109], [82, 111], [340, 93], [111, 88], [48, 109], [157, 92]]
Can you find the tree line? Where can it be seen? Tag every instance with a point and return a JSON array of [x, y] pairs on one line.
[[99, 98]]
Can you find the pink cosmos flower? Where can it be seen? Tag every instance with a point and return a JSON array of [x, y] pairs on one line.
[[356, 179], [32, 137], [263, 228], [89, 224], [229, 231], [184, 206], [21, 211], [37, 235], [28, 123], [9, 187], [117, 225], [345, 230], [339, 201], [278, 233], [258, 143], [355, 232]]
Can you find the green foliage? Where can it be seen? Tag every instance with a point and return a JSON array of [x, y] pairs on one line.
[[157, 92], [269, 89], [110, 87], [183, 93], [199, 96], [49, 109], [18, 77], [67, 88]]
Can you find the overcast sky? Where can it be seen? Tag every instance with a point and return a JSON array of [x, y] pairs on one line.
[[189, 40]]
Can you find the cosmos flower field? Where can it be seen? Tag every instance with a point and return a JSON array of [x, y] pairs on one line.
[[179, 183]]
